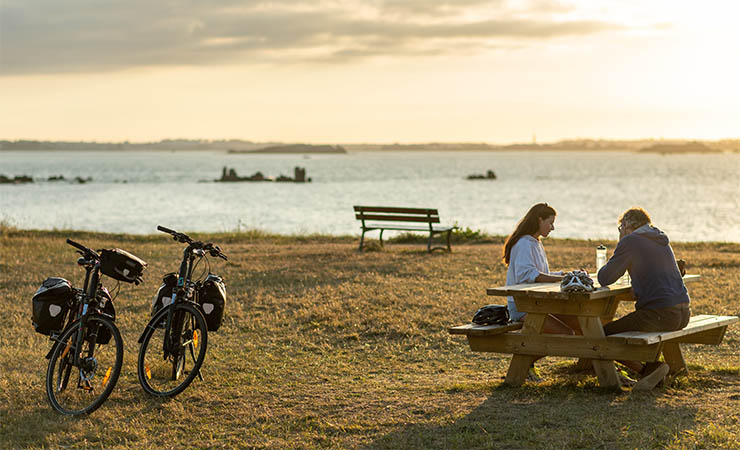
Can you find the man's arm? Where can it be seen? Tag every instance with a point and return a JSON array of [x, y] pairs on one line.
[[618, 263]]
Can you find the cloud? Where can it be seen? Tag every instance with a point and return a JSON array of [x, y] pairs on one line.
[[48, 36]]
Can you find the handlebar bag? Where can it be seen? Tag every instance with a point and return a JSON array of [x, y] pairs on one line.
[[163, 297], [212, 298], [50, 305], [121, 265]]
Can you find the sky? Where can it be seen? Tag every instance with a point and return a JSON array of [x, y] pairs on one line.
[[369, 71]]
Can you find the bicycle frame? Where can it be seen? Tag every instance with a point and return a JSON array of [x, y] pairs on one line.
[[183, 292], [84, 298]]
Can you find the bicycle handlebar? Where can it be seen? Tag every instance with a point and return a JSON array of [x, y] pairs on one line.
[[213, 250], [86, 251]]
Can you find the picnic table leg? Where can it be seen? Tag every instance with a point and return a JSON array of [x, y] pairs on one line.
[[605, 370], [520, 364], [673, 356], [585, 364]]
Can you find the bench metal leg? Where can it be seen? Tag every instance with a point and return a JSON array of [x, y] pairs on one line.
[[381, 237], [673, 356], [362, 239]]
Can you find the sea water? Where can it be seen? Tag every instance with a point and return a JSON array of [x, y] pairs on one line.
[[692, 197]]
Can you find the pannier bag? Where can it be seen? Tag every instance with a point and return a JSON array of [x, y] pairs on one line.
[[51, 304], [212, 298], [104, 333], [163, 297], [121, 265], [492, 315]]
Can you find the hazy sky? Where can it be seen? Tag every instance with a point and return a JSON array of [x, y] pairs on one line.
[[351, 71]]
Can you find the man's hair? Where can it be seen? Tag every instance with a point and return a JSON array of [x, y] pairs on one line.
[[635, 217]]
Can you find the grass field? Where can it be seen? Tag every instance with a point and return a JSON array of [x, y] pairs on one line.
[[323, 346]]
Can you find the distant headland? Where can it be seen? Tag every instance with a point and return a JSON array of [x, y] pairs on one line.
[[664, 146], [296, 148]]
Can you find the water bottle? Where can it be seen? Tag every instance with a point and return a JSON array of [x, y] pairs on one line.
[[600, 257]]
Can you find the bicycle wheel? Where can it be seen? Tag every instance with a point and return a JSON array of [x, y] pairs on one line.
[[81, 389], [166, 369]]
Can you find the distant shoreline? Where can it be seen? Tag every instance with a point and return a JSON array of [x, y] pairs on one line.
[[247, 147]]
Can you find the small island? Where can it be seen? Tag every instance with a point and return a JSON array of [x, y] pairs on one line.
[[230, 175], [297, 148], [18, 179], [490, 175]]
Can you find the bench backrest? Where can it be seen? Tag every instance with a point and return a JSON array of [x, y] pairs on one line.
[[394, 214]]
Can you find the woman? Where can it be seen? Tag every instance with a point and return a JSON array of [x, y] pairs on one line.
[[525, 256]]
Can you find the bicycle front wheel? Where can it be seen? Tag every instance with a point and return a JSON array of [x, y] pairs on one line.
[[166, 368], [81, 387]]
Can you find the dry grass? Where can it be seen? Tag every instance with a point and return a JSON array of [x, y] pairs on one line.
[[323, 346]]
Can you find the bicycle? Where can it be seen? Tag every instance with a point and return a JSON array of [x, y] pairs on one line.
[[178, 331], [83, 366]]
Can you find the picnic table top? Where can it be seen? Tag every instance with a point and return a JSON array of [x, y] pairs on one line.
[[552, 290]]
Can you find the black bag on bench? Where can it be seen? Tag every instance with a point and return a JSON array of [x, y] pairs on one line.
[[491, 315]]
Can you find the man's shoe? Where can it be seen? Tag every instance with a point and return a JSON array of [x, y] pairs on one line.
[[651, 380]]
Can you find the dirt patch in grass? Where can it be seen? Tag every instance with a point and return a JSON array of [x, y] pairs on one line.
[[324, 346]]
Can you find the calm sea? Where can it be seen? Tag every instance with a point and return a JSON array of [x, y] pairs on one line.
[[691, 197]]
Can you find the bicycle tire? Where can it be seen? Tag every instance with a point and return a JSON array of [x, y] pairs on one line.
[[81, 390], [160, 375]]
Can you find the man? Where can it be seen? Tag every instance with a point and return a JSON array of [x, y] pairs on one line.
[[662, 298]]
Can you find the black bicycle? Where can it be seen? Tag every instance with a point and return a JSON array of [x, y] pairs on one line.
[[84, 365], [174, 342]]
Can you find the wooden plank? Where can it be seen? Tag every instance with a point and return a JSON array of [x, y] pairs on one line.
[[672, 355], [598, 307], [370, 227], [472, 329], [562, 345], [708, 337], [520, 364], [696, 324], [624, 291], [376, 217], [393, 209], [605, 370]]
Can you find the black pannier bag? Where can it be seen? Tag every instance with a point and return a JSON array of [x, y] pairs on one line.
[[212, 298], [104, 333], [163, 297], [121, 265], [51, 304]]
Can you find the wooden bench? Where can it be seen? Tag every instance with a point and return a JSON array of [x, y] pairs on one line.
[[702, 329], [402, 219]]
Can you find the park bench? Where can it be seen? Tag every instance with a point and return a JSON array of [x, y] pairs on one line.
[[702, 329], [402, 219], [526, 341]]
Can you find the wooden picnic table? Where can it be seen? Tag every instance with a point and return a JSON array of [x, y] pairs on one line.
[[592, 309]]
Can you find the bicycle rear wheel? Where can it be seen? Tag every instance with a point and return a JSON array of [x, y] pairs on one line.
[[81, 389], [166, 369]]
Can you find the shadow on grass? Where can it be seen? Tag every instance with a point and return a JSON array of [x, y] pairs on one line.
[[553, 416]]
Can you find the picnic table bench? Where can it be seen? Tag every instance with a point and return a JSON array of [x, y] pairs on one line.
[[402, 219], [526, 342]]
